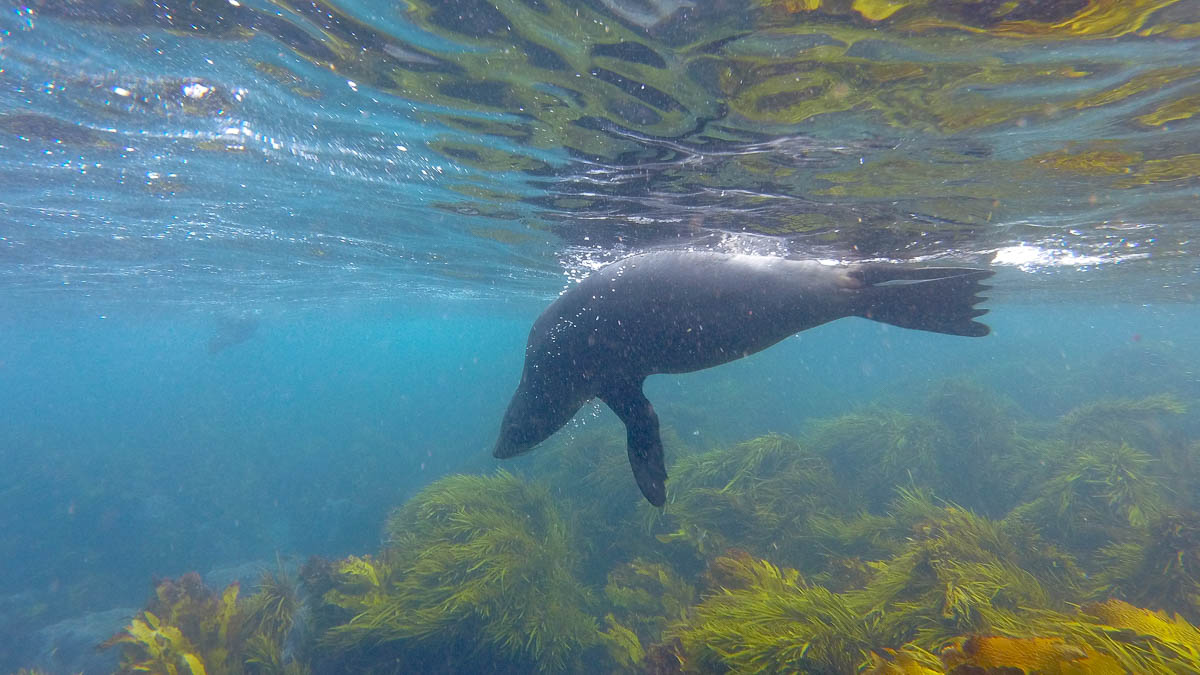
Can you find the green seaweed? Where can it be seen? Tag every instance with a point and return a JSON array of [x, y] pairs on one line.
[[754, 496], [624, 647], [646, 598], [762, 618], [264, 656], [589, 470], [1091, 19], [985, 459], [1095, 493], [480, 570], [850, 543], [876, 449], [964, 573], [1157, 566], [766, 619], [269, 616], [272, 610], [1137, 422]]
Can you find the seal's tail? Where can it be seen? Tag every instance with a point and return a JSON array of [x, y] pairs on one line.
[[937, 299]]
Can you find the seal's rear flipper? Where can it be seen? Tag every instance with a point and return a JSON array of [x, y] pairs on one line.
[[643, 444], [937, 299]]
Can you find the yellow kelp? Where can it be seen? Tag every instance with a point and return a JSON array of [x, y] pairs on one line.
[[1018, 19], [186, 629]]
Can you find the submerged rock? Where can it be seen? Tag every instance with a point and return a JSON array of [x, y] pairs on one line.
[[70, 646]]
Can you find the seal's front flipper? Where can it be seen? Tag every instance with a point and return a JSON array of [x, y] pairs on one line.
[[644, 444]]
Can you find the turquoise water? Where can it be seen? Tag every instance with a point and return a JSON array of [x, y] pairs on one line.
[[267, 268]]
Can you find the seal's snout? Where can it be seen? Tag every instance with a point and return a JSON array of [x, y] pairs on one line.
[[506, 447], [530, 419], [518, 434]]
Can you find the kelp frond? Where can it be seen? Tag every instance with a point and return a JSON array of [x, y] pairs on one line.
[[1139, 640], [1041, 655], [187, 628], [908, 660], [149, 645]]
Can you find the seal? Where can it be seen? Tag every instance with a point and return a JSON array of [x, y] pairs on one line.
[[681, 311]]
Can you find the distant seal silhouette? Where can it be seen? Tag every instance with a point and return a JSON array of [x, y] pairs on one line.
[[680, 311], [232, 330]]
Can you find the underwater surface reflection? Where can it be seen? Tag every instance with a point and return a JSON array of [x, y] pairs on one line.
[[200, 143]]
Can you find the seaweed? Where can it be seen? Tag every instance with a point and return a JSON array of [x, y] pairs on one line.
[[754, 496], [1139, 640], [876, 449], [908, 660], [153, 646], [646, 598], [1048, 655], [589, 474], [1137, 422], [849, 543], [977, 457], [269, 617], [1154, 425], [762, 618], [264, 656], [1100, 490], [766, 619], [1109, 638], [864, 534], [479, 570], [272, 609], [1157, 566], [186, 628], [964, 573], [829, 554]]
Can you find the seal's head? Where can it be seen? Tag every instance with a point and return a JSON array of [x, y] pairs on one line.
[[533, 415], [521, 429], [528, 422]]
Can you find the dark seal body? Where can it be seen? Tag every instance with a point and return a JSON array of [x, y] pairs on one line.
[[679, 311]]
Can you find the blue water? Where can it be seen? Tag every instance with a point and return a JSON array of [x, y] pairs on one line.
[[260, 279]]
